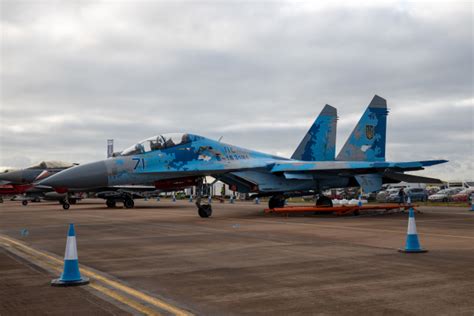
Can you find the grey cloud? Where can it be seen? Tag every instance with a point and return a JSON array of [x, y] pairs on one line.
[[131, 70]]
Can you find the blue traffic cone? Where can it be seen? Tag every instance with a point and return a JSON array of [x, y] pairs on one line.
[[209, 199], [190, 199], [71, 275], [412, 244], [472, 202], [257, 200], [359, 202], [158, 199], [231, 199], [174, 198]]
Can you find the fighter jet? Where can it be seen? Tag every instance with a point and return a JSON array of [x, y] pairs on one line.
[[36, 172], [178, 160], [21, 181]]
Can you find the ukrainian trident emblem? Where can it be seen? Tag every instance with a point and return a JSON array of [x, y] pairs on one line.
[[369, 131]]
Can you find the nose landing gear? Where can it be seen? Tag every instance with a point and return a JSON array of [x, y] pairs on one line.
[[204, 210]]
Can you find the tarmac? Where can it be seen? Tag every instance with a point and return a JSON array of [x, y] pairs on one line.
[[162, 258]]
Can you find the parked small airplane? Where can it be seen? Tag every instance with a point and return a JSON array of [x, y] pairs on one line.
[[179, 160]]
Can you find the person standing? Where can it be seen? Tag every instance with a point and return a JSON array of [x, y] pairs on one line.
[[401, 197]]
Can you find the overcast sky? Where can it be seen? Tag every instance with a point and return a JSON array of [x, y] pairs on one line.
[[75, 74]]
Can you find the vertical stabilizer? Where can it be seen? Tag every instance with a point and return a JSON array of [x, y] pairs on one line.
[[319, 144], [367, 140]]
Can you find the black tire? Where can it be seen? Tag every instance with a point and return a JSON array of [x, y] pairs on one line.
[[110, 203], [66, 206], [205, 211], [276, 201], [24, 202], [72, 201], [128, 203], [324, 201]]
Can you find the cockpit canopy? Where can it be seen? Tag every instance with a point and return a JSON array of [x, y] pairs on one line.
[[160, 142]]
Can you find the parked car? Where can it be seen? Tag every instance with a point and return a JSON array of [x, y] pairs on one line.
[[383, 195], [392, 195], [432, 190], [463, 196], [445, 195], [417, 194]]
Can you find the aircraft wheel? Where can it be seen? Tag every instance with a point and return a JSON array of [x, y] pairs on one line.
[[24, 202], [128, 203], [110, 203], [66, 206], [72, 201], [324, 201], [276, 201], [205, 211]]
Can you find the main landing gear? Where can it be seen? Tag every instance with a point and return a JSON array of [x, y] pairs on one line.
[[276, 201], [112, 197], [204, 210], [127, 202]]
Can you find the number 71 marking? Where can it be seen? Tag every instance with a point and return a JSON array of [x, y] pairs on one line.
[[138, 160]]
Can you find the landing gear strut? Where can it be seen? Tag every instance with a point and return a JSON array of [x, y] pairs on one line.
[[276, 201], [204, 210]]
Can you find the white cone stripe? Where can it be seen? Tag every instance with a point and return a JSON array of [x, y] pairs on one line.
[[71, 248], [411, 226]]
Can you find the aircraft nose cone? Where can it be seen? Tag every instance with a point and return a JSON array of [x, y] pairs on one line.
[[12, 176], [89, 175]]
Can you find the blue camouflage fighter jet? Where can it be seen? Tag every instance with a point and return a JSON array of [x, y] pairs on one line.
[[176, 161]]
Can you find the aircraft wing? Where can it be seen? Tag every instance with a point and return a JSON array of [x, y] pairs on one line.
[[369, 175], [355, 166]]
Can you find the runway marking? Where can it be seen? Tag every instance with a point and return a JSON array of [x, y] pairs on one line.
[[56, 265], [130, 302]]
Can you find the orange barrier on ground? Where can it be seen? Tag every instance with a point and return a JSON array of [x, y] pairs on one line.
[[338, 210]]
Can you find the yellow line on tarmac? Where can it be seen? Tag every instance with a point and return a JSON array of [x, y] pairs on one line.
[[139, 307], [97, 277]]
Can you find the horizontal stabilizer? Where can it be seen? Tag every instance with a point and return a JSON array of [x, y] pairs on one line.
[[410, 178]]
